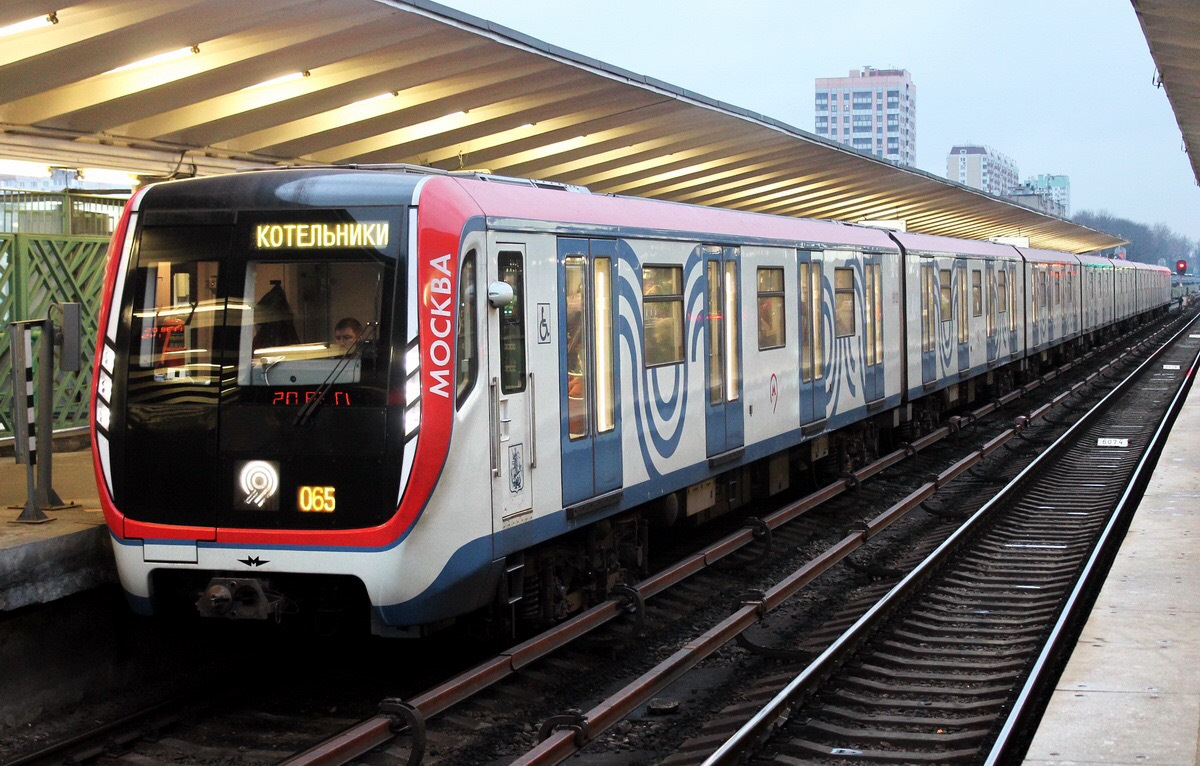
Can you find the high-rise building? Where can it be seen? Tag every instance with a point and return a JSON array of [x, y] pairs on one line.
[[1057, 188], [872, 110], [981, 167]]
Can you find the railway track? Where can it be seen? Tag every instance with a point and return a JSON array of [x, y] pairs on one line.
[[520, 695], [952, 665]]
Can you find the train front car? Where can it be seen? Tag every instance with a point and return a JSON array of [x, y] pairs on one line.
[[265, 433]]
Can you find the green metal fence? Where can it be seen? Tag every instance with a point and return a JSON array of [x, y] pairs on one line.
[[71, 213], [41, 268]]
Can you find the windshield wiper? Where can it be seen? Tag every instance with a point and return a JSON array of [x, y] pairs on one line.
[[311, 405]]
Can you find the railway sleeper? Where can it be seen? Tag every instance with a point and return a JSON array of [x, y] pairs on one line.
[[877, 736], [918, 649], [1005, 589], [966, 676], [953, 660], [974, 632], [1045, 569], [958, 616], [937, 638], [924, 704], [805, 749], [836, 711], [997, 693], [992, 602]]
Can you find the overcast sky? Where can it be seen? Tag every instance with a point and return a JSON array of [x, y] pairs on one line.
[[1060, 86]]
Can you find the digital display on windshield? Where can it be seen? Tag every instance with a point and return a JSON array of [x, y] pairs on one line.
[[314, 236], [296, 398]]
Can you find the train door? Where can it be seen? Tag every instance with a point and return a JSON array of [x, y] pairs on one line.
[[962, 299], [509, 388], [873, 386], [588, 395], [812, 339], [723, 350], [990, 303], [930, 319]]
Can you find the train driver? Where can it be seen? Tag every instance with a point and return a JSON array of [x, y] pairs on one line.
[[345, 333]]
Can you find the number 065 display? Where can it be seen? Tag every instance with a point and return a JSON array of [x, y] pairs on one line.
[[317, 499]]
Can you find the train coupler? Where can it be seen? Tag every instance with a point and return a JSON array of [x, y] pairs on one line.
[[240, 598]]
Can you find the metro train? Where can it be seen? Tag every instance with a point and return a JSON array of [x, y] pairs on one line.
[[418, 395]]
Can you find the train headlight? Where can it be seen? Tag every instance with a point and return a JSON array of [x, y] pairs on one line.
[[102, 415], [412, 419], [104, 386], [412, 391]]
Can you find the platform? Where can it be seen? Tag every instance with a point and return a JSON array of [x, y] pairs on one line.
[[44, 562], [1131, 691]]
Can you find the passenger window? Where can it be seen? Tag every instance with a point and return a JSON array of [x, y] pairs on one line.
[[928, 324], [947, 301], [843, 312], [512, 325], [716, 351], [873, 313], [991, 307], [733, 332], [771, 331], [662, 314], [818, 321], [468, 357], [964, 327], [977, 293], [878, 271], [606, 397], [575, 273], [1002, 291], [1012, 299], [806, 323]]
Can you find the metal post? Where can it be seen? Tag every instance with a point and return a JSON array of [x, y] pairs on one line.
[[25, 444], [47, 498]]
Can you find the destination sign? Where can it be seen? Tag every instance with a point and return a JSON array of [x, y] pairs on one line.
[[321, 236]]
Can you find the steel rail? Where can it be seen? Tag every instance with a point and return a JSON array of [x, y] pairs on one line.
[[778, 709], [378, 730]]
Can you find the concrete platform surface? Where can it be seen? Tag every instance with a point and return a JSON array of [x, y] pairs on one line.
[[1131, 691], [44, 562]]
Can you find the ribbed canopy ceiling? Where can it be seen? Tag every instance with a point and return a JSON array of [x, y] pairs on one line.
[[206, 86]]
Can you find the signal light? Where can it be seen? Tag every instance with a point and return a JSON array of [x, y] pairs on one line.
[[1181, 267]]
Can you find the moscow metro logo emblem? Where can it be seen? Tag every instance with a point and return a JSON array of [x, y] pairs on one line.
[[257, 486]]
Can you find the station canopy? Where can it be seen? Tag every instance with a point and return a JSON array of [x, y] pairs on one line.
[[1172, 28], [174, 88]]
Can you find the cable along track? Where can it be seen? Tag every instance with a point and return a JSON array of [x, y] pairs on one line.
[[935, 672]]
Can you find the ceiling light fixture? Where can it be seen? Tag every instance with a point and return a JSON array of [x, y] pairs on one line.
[[160, 58], [38, 22], [277, 80], [373, 99]]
